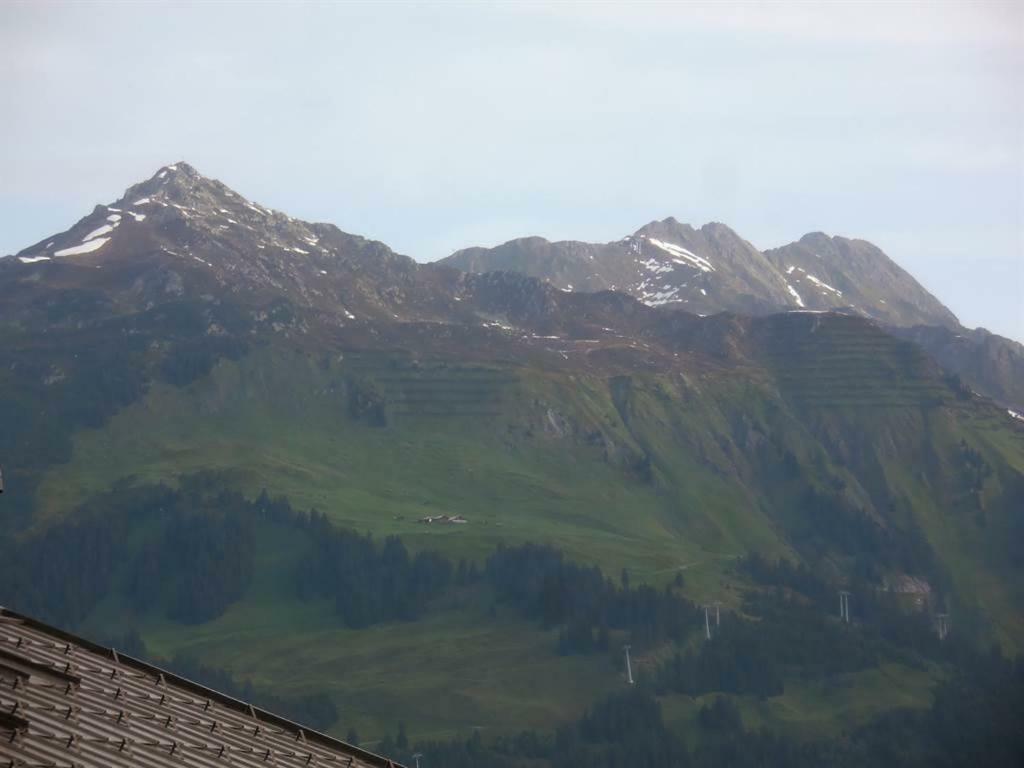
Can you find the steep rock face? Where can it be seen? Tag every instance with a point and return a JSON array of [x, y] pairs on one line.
[[704, 270], [712, 269], [183, 234], [179, 236], [991, 364], [836, 272], [568, 264]]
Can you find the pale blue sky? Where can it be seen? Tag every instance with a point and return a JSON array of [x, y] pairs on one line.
[[434, 127]]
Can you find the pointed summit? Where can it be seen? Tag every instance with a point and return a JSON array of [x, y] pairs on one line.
[[179, 233], [180, 183], [180, 169], [832, 272], [666, 228], [172, 208], [665, 262]]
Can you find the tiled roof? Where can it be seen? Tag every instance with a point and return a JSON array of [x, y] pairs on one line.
[[68, 703]]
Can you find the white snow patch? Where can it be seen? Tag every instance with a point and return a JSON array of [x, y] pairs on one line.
[[496, 324], [789, 271], [141, 201], [89, 247], [323, 271], [99, 231], [32, 259], [161, 174], [299, 250], [114, 218], [1013, 414], [703, 292], [114, 210], [137, 216], [223, 210], [682, 255], [655, 266], [172, 167], [823, 285], [794, 294], [50, 244], [658, 298], [350, 316]]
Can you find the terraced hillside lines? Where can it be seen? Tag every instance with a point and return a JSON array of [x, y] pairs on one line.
[[842, 364], [283, 421], [431, 388]]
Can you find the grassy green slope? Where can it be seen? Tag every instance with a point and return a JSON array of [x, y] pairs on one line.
[[655, 473], [458, 668], [818, 709], [526, 469], [901, 437]]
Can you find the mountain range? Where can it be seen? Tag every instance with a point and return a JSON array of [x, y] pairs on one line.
[[712, 269], [660, 407]]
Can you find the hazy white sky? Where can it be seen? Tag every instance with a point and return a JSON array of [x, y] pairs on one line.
[[434, 127]]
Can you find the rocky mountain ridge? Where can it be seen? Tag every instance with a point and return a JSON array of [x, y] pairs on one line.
[[712, 269], [180, 234]]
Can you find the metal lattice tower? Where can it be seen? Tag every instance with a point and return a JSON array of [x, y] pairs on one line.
[[844, 606]]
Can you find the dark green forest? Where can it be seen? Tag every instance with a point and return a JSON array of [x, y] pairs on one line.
[[191, 552], [974, 721]]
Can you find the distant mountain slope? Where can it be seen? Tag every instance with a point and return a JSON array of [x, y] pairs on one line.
[[712, 269], [834, 272], [703, 271], [992, 364], [206, 333], [180, 234]]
